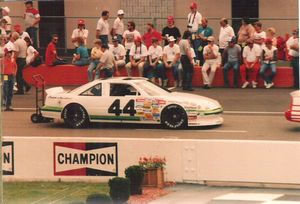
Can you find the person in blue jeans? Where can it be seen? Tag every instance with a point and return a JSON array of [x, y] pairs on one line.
[[96, 54], [171, 60], [81, 58], [231, 58], [269, 59], [8, 73]]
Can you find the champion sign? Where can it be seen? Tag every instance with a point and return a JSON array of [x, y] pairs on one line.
[[85, 159], [8, 158]]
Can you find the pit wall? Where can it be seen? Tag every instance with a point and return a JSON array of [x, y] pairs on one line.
[[191, 161]]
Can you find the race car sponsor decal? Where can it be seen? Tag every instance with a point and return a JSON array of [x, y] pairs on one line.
[[85, 159], [149, 108], [8, 158]]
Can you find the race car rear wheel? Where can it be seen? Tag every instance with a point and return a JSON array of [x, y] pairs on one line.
[[174, 117], [75, 116]]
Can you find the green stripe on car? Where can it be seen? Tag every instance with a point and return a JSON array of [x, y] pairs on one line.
[[129, 118], [51, 109]]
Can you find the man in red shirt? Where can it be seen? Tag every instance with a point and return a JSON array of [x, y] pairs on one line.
[[8, 73], [52, 58], [32, 19], [150, 34]]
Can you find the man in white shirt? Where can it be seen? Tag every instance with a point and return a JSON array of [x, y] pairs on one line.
[[171, 60], [119, 53], [18, 29], [80, 31], [259, 34], [5, 12], [194, 20], [128, 38], [102, 30], [210, 54], [138, 54], [251, 65], [226, 34], [154, 68], [118, 26], [106, 63], [21, 52]]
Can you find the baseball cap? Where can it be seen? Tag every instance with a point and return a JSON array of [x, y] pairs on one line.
[[138, 39], [80, 22], [232, 40], [170, 18], [193, 5], [211, 39], [6, 9], [115, 38], [268, 41], [171, 39], [120, 12]]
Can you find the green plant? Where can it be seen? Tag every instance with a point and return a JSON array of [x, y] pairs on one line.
[[152, 162], [119, 189], [98, 198], [135, 174]]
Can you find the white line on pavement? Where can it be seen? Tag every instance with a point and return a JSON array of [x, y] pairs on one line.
[[223, 131]]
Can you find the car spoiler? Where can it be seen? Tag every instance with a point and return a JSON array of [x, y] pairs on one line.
[[55, 90]]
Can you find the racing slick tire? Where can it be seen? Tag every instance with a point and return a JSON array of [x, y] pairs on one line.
[[75, 116], [174, 117]]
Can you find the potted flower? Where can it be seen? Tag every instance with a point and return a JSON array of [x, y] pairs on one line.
[[154, 174]]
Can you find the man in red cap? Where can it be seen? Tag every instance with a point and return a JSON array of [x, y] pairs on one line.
[[170, 30], [23, 34], [80, 31], [194, 20], [137, 54]]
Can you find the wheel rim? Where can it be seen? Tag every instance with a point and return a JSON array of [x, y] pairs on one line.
[[75, 116], [174, 118]]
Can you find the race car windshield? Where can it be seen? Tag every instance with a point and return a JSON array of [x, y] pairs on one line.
[[152, 89]]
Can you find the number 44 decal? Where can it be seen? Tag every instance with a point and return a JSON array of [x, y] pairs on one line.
[[128, 108]]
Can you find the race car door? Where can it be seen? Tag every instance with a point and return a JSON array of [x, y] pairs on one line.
[[120, 99]]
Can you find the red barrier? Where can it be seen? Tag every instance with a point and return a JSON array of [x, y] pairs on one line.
[[75, 75]]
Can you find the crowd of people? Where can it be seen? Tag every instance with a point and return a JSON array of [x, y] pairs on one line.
[[250, 52]]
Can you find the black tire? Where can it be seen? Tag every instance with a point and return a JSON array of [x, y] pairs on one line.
[[75, 116], [35, 118], [174, 117]]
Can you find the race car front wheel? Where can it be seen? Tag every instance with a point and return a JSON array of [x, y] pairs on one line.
[[174, 117], [75, 116]]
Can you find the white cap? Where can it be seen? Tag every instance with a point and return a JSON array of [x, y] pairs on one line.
[[120, 12], [6, 9], [171, 39]]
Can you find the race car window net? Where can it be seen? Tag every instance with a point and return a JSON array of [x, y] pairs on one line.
[[122, 90]]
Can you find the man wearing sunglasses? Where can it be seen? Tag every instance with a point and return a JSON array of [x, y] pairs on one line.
[[52, 58]]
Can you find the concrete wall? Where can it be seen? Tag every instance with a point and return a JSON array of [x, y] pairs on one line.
[[196, 161]]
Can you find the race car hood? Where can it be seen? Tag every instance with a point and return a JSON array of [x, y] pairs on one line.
[[194, 100]]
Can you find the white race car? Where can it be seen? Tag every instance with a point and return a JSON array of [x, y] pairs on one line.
[[293, 114], [130, 100]]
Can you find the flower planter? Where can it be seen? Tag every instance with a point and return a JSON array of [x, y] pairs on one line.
[[154, 177]]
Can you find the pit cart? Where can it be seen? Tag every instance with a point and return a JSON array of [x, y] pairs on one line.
[[39, 84]]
